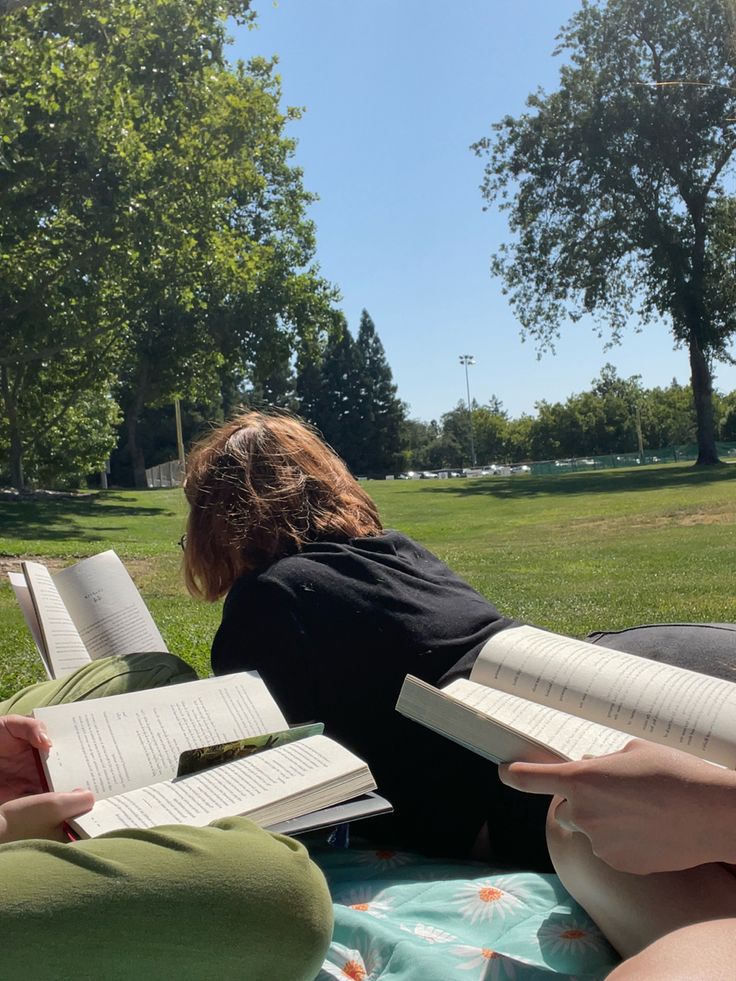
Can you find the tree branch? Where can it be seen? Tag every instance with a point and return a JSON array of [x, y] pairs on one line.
[[79, 384], [8, 6], [51, 352]]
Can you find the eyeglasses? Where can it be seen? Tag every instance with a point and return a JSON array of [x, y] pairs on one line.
[[183, 542]]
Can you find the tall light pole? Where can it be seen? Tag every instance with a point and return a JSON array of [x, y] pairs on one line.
[[468, 359]]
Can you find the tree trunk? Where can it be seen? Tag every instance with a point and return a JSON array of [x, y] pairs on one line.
[[131, 415], [16, 438], [137, 460], [16, 459], [702, 385]]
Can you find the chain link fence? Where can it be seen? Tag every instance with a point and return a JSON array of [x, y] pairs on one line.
[[168, 474], [667, 454]]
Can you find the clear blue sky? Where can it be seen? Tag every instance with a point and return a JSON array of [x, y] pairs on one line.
[[395, 91]]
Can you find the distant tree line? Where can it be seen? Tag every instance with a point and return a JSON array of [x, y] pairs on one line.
[[605, 419], [347, 391]]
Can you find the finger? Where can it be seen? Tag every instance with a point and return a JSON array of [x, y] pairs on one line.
[[535, 778], [43, 815], [53, 808], [28, 730]]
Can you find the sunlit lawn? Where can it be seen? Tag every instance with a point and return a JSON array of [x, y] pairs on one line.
[[574, 553]]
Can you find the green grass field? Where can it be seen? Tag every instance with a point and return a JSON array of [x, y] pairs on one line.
[[573, 553]]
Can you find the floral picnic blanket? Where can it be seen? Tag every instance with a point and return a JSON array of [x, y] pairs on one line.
[[404, 917]]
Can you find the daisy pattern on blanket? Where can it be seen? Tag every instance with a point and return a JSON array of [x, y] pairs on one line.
[[432, 934], [569, 935], [400, 917], [366, 900], [385, 858], [487, 899], [486, 964], [346, 964]]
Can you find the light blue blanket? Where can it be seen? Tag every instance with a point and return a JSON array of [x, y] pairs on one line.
[[403, 917]]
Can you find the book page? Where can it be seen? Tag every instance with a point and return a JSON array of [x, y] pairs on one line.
[[639, 697], [23, 595], [286, 781], [567, 735], [106, 607], [65, 651], [121, 742]]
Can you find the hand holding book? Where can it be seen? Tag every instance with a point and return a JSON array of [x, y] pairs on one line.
[[19, 773], [540, 697], [127, 750], [645, 809], [25, 810]]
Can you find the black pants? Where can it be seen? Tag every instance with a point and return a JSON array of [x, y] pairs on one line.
[[709, 648]]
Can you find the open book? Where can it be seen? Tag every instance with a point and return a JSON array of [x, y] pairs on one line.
[[92, 609], [127, 748], [541, 698]]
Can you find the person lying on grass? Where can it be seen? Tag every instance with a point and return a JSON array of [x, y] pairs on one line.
[[645, 840], [334, 611]]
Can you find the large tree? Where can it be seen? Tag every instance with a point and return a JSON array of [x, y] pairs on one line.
[[618, 185], [152, 224]]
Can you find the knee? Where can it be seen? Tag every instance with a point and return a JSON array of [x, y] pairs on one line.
[[563, 845], [154, 669], [706, 951], [278, 902], [572, 857]]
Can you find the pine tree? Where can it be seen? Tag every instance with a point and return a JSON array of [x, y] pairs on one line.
[[379, 413], [309, 389], [349, 395], [272, 383], [338, 410]]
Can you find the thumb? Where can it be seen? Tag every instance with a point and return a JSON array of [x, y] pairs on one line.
[[535, 778], [42, 815], [63, 806]]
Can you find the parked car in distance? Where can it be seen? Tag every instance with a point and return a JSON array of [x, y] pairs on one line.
[[409, 475], [521, 468], [428, 475]]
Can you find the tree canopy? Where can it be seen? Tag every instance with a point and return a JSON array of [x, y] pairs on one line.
[[618, 186], [152, 223]]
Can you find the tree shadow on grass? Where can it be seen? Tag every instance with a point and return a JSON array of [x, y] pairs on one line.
[[55, 519], [600, 482]]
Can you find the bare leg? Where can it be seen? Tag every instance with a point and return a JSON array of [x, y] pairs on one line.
[[634, 911], [703, 951]]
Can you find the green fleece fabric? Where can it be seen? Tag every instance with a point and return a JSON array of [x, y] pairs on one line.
[[106, 676], [229, 901]]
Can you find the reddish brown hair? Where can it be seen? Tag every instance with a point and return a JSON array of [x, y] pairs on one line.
[[260, 487]]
